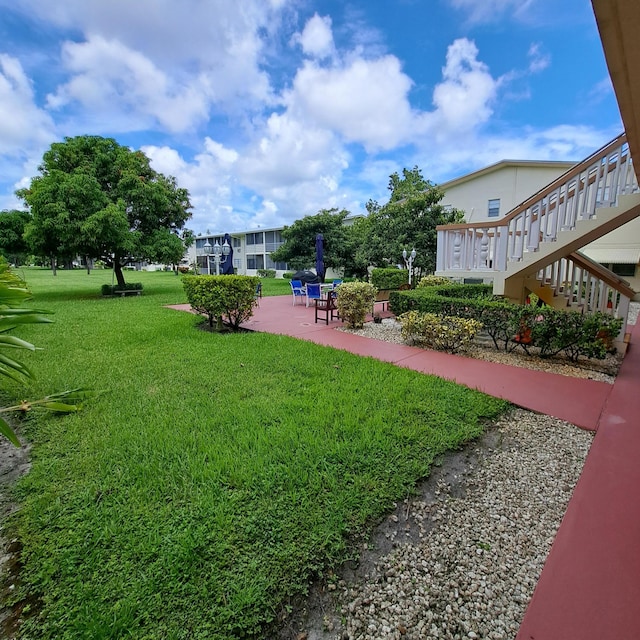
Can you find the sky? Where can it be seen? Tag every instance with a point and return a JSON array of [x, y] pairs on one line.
[[270, 110]]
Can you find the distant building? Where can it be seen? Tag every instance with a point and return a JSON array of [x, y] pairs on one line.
[[252, 250]]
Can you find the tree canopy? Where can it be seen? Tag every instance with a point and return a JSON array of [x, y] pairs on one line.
[[299, 249], [407, 221], [98, 199], [12, 243]]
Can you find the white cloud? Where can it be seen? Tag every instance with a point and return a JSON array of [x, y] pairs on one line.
[[464, 98], [23, 125], [108, 76], [366, 101], [316, 38], [203, 52], [538, 60], [480, 11]]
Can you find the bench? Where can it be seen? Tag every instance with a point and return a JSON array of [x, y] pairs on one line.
[[127, 292]]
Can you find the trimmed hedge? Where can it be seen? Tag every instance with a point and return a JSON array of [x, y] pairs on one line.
[[447, 298], [224, 299], [510, 326], [267, 273], [389, 278]]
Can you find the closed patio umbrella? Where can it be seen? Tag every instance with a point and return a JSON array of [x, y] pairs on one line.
[[226, 268], [320, 270]]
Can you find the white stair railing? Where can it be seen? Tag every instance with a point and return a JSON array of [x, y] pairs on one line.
[[596, 182], [587, 286]]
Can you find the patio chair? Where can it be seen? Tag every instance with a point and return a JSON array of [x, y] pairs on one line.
[[298, 290], [326, 307], [337, 283], [258, 293], [313, 292]]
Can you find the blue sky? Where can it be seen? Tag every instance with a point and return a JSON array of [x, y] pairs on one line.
[[268, 110]]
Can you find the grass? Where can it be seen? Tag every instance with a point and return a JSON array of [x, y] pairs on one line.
[[216, 474]]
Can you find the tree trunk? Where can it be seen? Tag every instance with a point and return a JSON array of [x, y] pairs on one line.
[[53, 265], [88, 263], [117, 270]]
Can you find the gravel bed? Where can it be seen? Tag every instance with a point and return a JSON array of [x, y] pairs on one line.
[[480, 546]]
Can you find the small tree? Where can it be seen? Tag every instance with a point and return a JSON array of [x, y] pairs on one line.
[[98, 199], [340, 241], [12, 243], [407, 221]]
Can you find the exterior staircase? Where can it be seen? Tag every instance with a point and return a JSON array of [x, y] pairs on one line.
[[534, 248]]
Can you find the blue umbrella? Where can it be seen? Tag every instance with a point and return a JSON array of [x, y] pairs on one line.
[[227, 265], [320, 257]]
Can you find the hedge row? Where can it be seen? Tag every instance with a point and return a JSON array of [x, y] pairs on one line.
[[389, 278], [510, 326]]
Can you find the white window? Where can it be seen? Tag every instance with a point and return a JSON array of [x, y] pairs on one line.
[[494, 208]]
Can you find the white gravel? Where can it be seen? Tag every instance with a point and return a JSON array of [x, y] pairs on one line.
[[471, 570]]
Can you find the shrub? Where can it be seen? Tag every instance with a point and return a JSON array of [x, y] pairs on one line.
[[444, 333], [355, 300], [287, 275], [224, 299], [573, 333], [446, 299], [432, 281], [389, 278], [114, 289], [267, 273]]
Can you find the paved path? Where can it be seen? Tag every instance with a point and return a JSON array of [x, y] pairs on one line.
[[590, 586]]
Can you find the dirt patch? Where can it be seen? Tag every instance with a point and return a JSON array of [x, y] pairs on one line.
[[14, 463]]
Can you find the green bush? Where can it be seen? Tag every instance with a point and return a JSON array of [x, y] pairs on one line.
[[572, 333], [389, 278], [432, 281], [510, 326], [114, 289], [355, 300], [444, 333], [287, 275], [267, 273], [224, 299]]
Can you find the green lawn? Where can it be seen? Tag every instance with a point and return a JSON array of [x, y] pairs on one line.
[[216, 474]]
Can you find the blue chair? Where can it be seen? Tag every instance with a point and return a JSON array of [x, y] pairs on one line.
[[298, 290], [313, 292], [337, 283], [258, 293]]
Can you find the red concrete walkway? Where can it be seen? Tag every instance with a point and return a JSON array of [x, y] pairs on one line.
[[590, 586]]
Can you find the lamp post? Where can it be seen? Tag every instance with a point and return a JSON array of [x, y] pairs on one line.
[[408, 261], [220, 254]]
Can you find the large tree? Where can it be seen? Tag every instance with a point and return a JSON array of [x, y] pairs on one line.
[[407, 221], [98, 199], [299, 249], [12, 243]]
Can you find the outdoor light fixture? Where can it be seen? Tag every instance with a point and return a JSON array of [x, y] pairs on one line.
[[408, 261], [220, 254]]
